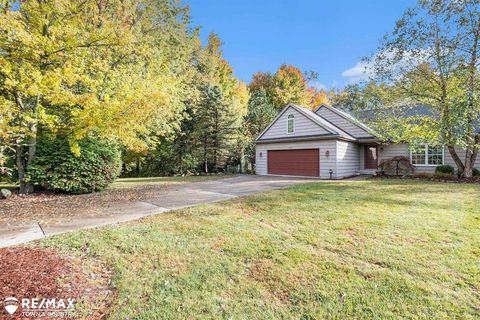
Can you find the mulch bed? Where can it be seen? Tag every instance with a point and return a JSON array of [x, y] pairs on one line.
[[31, 272], [47, 207], [429, 177]]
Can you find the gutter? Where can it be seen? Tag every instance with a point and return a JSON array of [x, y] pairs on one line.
[[304, 138]]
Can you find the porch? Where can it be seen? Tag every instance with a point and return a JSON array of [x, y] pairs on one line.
[[368, 158]]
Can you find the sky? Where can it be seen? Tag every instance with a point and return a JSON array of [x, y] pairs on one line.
[[329, 37]]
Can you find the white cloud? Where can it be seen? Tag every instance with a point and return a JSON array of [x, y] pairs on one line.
[[398, 64], [360, 72]]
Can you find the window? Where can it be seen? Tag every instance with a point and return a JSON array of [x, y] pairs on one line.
[[418, 155], [426, 155], [290, 123], [435, 155]]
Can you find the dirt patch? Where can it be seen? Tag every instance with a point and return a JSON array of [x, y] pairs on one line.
[[49, 207], [28, 272], [261, 271]]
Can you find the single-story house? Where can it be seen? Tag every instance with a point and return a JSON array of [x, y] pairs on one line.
[[330, 143]]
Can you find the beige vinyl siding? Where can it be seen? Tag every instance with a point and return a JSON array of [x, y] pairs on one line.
[[392, 150], [343, 123], [326, 163], [348, 159], [303, 127]]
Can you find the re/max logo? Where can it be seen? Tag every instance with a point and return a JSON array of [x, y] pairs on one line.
[[45, 303]]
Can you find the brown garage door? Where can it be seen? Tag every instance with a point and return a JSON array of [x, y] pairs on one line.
[[294, 162]]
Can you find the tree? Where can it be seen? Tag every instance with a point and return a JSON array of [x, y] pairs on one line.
[[317, 97], [221, 108], [261, 113], [432, 58], [262, 81], [289, 85], [366, 96], [115, 69]]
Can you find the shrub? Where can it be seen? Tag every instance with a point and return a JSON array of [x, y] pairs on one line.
[[445, 169], [476, 172], [396, 166], [56, 168]]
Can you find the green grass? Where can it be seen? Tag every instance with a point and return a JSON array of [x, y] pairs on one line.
[[136, 182], [348, 250]]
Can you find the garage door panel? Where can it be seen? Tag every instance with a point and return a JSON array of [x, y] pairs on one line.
[[299, 162]]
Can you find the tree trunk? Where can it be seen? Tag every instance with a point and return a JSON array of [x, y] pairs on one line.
[[242, 159], [471, 157], [32, 150], [22, 162], [205, 161], [456, 158], [215, 141], [472, 138], [468, 171], [22, 170]]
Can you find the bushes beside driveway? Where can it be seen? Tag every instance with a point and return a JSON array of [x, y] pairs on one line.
[[56, 168]]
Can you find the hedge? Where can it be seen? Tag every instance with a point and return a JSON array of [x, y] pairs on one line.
[[55, 167]]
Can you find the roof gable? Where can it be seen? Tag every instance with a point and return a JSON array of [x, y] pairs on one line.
[[305, 125]]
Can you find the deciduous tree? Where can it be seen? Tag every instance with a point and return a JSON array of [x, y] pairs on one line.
[[113, 69], [432, 57]]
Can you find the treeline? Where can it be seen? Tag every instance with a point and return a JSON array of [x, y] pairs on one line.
[[130, 74]]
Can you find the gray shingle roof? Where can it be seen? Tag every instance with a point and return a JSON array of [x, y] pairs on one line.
[[402, 112], [407, 111]]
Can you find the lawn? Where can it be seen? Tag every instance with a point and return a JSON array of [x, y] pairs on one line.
[[382, 249]]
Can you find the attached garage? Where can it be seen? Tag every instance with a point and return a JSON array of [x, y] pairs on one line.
[[300, 162]]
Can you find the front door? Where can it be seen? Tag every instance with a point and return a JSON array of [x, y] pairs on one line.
[[371, 157]]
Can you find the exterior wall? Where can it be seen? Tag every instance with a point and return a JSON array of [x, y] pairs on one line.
[[342, 123], [392, 150], [326, 163], [303, 126], [348, 158]]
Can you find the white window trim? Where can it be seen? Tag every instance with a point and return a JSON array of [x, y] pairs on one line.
[[293, 124], [426, 158]]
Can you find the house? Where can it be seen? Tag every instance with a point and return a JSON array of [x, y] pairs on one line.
[[330, 143]]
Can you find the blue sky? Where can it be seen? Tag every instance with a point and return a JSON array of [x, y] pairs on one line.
[[329, 37]]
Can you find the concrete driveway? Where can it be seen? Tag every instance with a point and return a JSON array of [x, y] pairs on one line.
[[177, 197]]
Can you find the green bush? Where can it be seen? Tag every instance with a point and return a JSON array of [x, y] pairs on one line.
[[445, 169], [476, 172], [56, 168]]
